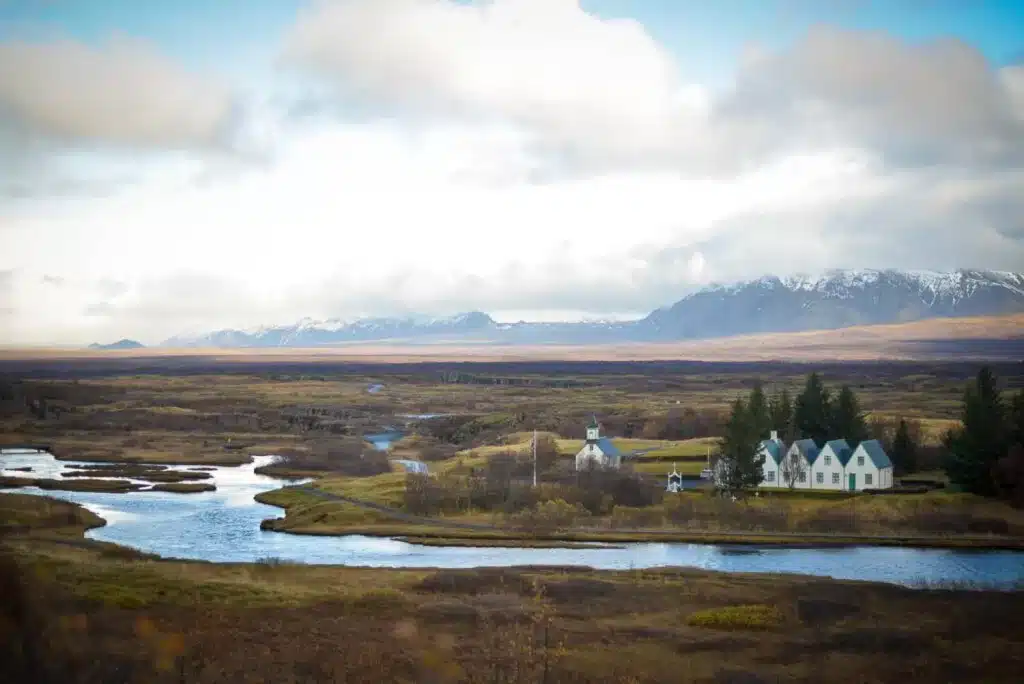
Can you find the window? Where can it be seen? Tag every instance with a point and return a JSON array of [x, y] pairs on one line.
[[769, 476], [860, 460], [867, 478], [803, 477], [828, 459], [820, 479], [835, 478]]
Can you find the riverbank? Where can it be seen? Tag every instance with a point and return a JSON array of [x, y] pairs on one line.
[[328, 508], [100, 610]]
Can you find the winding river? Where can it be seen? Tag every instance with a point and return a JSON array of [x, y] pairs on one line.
[[224, 526]]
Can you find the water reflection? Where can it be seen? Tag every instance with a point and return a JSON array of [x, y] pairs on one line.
[[223, 526]]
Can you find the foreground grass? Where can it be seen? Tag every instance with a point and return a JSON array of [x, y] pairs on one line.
[[83, 612]]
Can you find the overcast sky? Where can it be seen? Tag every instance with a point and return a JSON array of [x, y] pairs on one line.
[[175, 167]]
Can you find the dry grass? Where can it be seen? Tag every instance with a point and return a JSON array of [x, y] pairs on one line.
[[83, 613]]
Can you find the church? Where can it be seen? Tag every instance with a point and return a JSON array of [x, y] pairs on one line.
[[597, 451]]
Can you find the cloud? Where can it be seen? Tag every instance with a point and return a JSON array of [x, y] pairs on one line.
[[918, 104], [592, 87], [601, 93], [121, 93]]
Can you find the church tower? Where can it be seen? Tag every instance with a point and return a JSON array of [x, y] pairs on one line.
[[593, 431]]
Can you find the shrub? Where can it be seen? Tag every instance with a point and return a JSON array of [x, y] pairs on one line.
[[548, 516], [754, 616]]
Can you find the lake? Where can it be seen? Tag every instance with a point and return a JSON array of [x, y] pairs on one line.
[[223, 526]]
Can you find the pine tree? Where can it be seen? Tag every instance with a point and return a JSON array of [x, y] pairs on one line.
[[738, 459], [811, 411], [1016, 426], [976, 446], [780, 410], [904, 450], [758, 412], [847, 420]]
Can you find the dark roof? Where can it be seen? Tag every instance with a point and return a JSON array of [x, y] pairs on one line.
[[841, 448], [873, 448], [773, 448], [593, 422], [809, 448], [607, 448]]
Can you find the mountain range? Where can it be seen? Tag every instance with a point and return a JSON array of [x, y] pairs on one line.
[[834, 299], [120, 344]]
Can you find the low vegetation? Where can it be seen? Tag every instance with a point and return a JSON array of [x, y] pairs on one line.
[[84, 613], [71, 485], [183, 487]]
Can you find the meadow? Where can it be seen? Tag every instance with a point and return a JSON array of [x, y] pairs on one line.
[[78, 612]]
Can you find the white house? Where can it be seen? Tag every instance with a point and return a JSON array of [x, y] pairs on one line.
[[771, 452], [830, 468], [869, 467], [797, 468], [597, 451]]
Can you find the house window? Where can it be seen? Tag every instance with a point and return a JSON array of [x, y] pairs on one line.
[[828, 459], [835, 478], [769, 476], [867, 478], [860, 460], [803, 477], [820, 478]]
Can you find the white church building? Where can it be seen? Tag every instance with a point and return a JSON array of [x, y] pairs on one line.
[[597, 451]]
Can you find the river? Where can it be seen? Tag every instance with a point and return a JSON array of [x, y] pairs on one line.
[[223, 526]]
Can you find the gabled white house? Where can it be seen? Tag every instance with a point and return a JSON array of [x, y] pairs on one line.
[[869, 468], [771, 452], [830, 469], [597, 451], [797, 468]]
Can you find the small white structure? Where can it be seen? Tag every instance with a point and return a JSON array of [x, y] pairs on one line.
[[675, 482], [597, 451]]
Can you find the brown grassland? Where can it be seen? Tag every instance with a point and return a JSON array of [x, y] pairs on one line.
[[77, 611]]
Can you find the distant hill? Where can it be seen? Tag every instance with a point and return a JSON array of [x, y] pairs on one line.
[[120, 344], [770, 304]]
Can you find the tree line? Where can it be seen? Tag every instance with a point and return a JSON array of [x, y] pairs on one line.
[[986, 452], [815, 413]]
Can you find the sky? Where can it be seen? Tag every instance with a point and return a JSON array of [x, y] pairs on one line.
[[172, 168]]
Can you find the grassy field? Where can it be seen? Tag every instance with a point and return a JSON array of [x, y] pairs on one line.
[[79, 612]]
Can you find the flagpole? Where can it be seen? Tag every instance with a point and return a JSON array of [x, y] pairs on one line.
[[534, 458]]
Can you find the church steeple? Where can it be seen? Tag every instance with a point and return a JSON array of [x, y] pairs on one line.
[[593, 430]]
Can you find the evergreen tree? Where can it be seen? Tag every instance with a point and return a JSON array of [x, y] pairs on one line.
[[780, 411], [759, 412], [811, 411], [976, 446], [739, 463], [904, 450], [1016, 426], [847, 420]]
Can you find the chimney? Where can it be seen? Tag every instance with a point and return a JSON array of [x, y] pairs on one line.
[[775, 435]]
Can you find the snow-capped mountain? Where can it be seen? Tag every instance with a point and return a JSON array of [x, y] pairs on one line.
[[836, 299], [833, 299]]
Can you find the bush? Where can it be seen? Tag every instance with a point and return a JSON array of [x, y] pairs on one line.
[[549, 516], [754, 616]]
